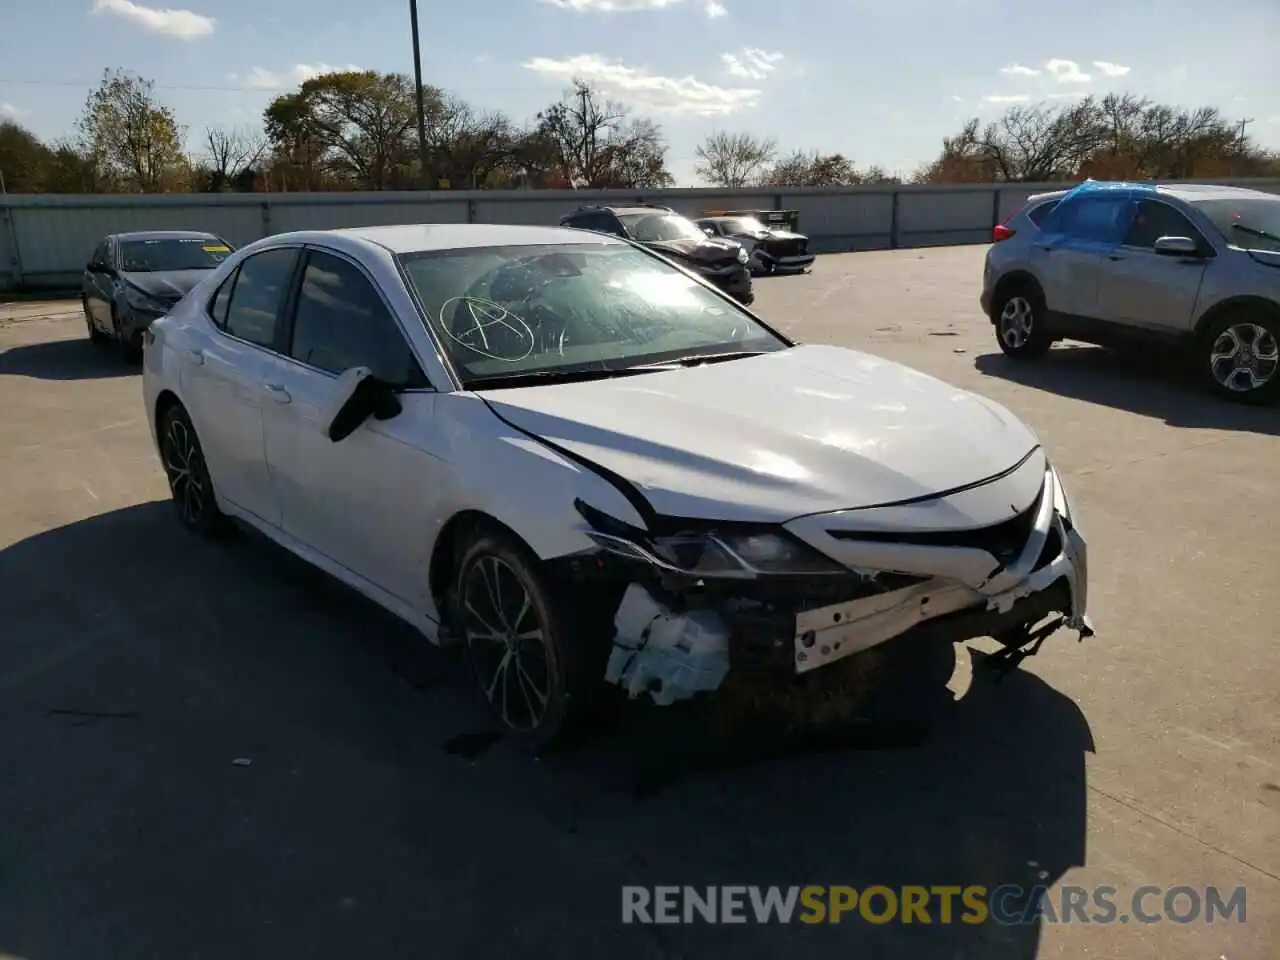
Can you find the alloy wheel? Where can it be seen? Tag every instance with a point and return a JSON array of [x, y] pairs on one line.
[[1016, 321], [1244, 357], [506, 642], [184, 467]]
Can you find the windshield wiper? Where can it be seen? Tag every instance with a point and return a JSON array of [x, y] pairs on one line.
[[535, 377], [694, 359], [1255, 231]]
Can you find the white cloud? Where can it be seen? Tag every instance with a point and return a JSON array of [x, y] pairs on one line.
[[1067, 71], [9, 111], [1018, 70], [685, 96], [1073, 95], [260, 78], [752, 64], [1006, 98], [957, 99], [611, 6], [715, 9], [183, 24], [1109, 69]]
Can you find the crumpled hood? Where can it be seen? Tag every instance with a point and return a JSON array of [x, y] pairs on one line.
[[697, 251], [170, 285], [765, 439]]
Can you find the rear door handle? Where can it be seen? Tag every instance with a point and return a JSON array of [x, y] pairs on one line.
[[278, 393], [1116, 256], [196, 356]]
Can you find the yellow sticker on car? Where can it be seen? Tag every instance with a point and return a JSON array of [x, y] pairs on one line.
[[216, 248]]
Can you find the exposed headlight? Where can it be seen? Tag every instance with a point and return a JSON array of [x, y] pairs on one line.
[[713, 554], [143, 301], [742, 255]]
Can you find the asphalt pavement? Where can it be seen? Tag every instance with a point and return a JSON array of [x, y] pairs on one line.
[[211, 751]]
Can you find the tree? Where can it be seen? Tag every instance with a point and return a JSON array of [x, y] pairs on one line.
[[813, 170], [1115, 137], [352, 125], [733, 159], [24, 160], [230, 156], [599, 146], [134, 140]]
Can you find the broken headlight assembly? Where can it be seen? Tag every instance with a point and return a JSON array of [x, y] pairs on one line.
[[715, 553], [1061, 502]]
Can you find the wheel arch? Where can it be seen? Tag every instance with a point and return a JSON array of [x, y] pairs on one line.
[[1011, 281], [1232, 305], [166, 400], [447, 550]]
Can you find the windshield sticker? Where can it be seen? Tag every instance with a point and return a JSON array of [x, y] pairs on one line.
[[216, 248], [487, 328]]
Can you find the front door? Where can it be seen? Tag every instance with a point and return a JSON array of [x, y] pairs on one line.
[[1144, 289], [224, 373], [367, 502]]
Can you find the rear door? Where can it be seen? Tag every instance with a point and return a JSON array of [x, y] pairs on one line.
[[1143, 289], [1075, 245], [223, 378]]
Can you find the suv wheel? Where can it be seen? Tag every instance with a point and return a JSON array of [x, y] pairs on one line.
[[1020, 325], [1240, 356]]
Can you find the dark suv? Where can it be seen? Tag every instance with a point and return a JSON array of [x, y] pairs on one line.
[[661, 229]]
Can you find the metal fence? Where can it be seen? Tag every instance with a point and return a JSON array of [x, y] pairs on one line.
[[45, 239]]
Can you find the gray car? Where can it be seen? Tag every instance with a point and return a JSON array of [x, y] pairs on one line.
[[1192, 266], [133, 278]]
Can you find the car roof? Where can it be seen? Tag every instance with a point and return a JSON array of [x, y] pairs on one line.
[[419, 237], [1199, 192], [166, 235]]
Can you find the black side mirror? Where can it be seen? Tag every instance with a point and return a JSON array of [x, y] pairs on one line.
[[98, 266], [357, 396]]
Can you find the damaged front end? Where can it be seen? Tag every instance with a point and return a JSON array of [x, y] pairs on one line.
[[789, 606]]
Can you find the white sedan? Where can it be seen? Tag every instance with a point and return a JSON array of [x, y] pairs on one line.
[[590, 467]]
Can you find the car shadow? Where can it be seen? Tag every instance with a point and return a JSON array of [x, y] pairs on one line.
[[66, 360], [1148, 384], [221, 740]]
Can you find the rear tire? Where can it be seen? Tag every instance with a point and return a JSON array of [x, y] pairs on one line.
[[1018, 313], [188, 475], [1237, 356]]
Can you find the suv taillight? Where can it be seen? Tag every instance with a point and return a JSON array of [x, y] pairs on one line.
[[1001, 232]]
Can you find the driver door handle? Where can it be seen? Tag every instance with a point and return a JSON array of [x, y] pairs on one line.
[[278, 393]]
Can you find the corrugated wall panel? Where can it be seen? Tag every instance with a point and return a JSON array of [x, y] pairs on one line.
[[54, 234]]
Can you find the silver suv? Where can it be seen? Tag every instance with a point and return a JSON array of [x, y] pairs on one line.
[[1196, 267]]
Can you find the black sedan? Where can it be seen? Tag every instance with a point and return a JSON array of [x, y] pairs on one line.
[[133, 278]]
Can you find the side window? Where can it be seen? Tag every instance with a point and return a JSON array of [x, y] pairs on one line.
[[611, 224], [99, 254], [218, 305], [1038, 213], [341, 322], [1099, 219], [1153, 220], [262, 283]]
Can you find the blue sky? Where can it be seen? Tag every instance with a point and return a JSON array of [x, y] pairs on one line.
[[881, 81]]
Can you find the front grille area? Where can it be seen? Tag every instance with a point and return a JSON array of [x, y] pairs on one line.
[[1004, 541], [786, 248]]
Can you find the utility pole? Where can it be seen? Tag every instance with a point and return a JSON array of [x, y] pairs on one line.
[[417, 76], [1244, 123]]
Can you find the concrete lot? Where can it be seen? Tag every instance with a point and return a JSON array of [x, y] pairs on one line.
[[137, 664]]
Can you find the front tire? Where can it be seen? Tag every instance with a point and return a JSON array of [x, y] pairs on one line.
[[530, 662], [96, 336], [1238, 356], [1019, 315], [188, 475]]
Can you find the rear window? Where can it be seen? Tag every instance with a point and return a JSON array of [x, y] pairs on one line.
[[1041, 210]]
